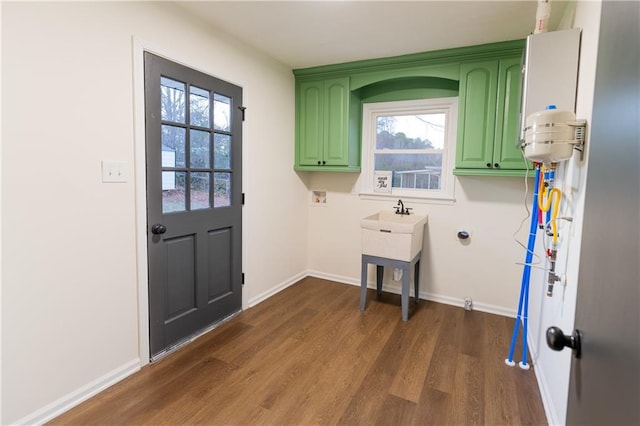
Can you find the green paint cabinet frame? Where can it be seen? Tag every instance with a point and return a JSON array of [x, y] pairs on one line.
[[487, 78], [488, 119], [322, 127]]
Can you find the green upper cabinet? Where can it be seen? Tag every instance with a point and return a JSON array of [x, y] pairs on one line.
[[488, 118], [329, 101], [476, 114], [506, 152], [322, 127]]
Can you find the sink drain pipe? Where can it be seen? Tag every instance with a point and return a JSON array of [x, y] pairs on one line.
[[523, 304]]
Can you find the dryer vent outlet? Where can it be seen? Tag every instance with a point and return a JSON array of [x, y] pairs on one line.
[[468, 304]]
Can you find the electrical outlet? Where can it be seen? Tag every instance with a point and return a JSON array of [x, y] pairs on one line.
[[468, 304]]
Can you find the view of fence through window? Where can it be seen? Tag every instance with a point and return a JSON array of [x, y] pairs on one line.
[[411, 146]]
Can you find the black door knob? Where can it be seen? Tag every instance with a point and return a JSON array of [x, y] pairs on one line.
[[557, 340], [158, 228]]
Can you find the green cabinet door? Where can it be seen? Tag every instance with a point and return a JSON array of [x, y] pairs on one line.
[[310, 121], [507, 153], [476, 115], [322, 127], [488, 119], [336, 113]]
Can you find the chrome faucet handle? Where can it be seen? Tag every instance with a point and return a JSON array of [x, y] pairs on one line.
[[406, 210]]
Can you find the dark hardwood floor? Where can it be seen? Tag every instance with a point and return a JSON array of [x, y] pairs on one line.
[[309, 356]]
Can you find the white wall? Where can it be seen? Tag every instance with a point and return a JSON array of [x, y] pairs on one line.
[[553, 368], [490, 208], [69, 277]]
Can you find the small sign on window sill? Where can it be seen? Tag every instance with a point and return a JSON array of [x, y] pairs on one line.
[[382, 181]]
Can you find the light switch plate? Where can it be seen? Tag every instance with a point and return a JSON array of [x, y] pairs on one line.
[[115, 171]]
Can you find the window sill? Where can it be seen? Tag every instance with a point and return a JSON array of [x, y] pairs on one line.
[[420, 199]]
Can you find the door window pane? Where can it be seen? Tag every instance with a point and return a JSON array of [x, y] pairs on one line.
[[172, 100], [200, 149], [221, 189], [199, 107], [173, 146], [173, 192], [200, 190], [221, 112], [222, 151]]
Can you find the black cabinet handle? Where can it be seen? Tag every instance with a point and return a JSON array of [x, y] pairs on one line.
[[496, 165], [158, 228], [489, 165], [319, 162], [324, 162]]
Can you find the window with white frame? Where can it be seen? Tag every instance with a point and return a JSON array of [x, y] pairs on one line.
[[412, 143]]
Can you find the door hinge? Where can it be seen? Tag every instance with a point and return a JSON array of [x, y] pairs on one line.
[[243, 198], [243, 278], [242, 110]]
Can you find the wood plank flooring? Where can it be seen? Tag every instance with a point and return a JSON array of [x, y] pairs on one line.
[[308, 356]]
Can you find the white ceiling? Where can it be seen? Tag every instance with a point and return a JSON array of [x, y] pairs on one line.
[[308, 33]]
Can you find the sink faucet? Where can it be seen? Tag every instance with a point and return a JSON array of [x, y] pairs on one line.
[[400, 209]]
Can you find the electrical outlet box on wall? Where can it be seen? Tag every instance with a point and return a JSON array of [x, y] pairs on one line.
[[319, 198]]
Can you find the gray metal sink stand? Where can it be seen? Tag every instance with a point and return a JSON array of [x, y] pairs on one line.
[[380, 263]]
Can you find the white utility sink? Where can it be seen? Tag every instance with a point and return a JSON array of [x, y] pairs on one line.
[[393, 236]]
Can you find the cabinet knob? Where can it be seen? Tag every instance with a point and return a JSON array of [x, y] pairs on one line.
[[489, 165], [324, 162], [319, 162], [496, 165]]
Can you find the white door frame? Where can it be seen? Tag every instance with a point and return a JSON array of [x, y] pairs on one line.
[[140, 168], [138, 47]]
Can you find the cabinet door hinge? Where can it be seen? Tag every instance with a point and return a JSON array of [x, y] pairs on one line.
[[242, 110]]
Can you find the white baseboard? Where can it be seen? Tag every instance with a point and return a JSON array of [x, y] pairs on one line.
[[277, 289], [80, 395], [333, 277], [447, 300], [543, 386]]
